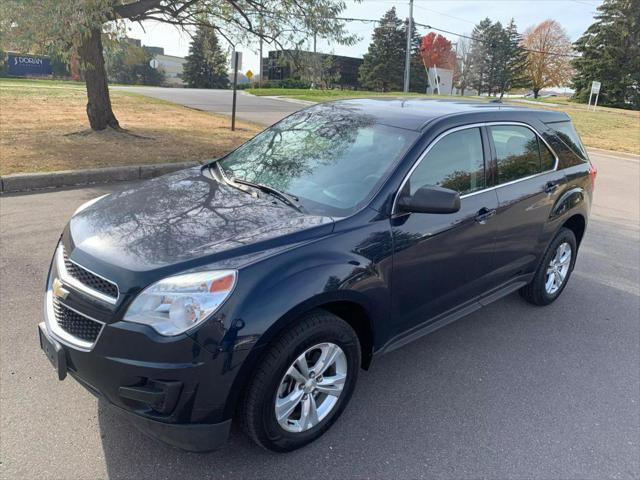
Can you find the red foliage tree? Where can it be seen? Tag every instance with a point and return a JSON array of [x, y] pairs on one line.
[[436, 51]]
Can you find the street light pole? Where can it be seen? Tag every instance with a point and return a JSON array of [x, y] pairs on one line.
[[407, 58]]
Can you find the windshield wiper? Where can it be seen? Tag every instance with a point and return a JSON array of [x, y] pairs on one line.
[[284, 197]]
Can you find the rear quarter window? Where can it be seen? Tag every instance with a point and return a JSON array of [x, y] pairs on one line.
[[567, 134]]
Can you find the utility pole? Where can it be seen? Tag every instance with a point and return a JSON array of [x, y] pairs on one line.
[[261, 33], [407, 58]]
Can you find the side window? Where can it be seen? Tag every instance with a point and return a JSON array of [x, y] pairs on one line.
[[517, 152], [456, 161], [567, 133]]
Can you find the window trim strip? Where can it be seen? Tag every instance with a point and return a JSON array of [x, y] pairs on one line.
[[487, 189]]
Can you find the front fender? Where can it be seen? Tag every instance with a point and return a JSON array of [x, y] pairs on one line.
[[271, 312]]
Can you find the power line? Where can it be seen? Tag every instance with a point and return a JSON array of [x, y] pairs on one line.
[[445, 14], [429, 27]]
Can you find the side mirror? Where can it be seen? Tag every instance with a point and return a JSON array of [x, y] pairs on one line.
[[430, 199]]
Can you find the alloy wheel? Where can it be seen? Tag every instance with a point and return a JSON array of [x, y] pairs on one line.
[[311, 387], [558, 268]]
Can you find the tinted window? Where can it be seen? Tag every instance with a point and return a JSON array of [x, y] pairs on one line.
[[517, 152], [330, 157], [456, 161], [569, 136]]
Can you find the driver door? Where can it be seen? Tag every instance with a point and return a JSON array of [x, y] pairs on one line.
[[442, 261]]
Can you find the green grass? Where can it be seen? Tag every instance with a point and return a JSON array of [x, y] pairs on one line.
[[327, 95]]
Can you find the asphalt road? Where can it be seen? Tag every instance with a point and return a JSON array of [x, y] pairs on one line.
[[512, 391], [262, 110]]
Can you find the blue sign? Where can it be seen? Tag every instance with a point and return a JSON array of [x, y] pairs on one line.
[[21, 65]]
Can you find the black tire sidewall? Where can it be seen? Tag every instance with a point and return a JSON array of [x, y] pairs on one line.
[[276, 438]]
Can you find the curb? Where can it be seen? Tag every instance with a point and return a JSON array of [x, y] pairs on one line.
[[613, 153], [23, 182]]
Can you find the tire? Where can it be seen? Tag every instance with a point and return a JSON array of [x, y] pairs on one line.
[[277, 379], [538, 291]]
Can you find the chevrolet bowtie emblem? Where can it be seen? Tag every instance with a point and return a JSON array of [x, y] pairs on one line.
[[59, 290]]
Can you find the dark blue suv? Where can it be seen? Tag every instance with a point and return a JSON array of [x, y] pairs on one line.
[[255, 287]]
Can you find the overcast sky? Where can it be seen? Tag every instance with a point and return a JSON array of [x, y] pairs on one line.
[[454, 15]]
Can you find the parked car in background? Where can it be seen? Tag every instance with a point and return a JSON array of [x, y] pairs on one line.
[[256, 287]]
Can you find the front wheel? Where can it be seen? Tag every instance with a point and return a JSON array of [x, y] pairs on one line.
[[302, 384], [554, 270]]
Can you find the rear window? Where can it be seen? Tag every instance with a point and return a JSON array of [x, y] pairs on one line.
[[567, 133]]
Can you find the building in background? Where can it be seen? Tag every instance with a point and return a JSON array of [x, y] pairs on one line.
[[440, 81], [279, 65], [172, 67]]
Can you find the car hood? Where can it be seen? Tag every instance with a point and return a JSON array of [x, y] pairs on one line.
[[186, 216]]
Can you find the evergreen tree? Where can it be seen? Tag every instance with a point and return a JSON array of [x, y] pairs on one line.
[[478, 56], [206, 64], [418, 80], [509, 58], [610, 51], [383, 65], [496, 59]]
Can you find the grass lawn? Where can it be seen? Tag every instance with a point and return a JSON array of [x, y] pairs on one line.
[[44, 127], [327, 95], [606, 128]]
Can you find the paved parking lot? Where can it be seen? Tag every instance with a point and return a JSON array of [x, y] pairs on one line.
[[512, 391], [262, 110]]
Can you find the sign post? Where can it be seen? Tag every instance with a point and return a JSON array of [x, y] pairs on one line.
[[236, 61], [595, 90]]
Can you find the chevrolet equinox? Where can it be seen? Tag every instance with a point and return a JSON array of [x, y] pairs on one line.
[[256, 287]]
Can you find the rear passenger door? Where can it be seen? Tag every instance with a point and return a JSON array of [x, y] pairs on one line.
[[527, 185]]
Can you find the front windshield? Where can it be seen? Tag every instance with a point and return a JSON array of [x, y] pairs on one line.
[[331, 157]]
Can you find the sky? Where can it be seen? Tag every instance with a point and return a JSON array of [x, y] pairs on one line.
[[453, 15]]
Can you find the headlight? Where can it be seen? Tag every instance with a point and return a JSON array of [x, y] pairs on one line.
[[176, 304], [88, 204]]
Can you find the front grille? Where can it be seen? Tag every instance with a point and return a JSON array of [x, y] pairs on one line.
[[75, 324], [89, 279]]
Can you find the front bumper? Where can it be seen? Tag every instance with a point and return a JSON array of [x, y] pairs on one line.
[[170, 402]]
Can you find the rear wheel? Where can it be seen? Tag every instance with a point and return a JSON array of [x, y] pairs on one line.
[[554, 270], [302, 384]]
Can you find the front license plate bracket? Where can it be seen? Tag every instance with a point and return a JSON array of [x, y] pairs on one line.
[[54, 352]]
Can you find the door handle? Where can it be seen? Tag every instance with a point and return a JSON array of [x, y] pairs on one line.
[[484, 214], [551, 187]]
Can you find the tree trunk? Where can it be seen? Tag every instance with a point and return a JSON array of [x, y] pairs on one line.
[[99, 104], [536, 92]]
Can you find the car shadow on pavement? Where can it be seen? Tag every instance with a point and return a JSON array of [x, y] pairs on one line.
[[490, 395]]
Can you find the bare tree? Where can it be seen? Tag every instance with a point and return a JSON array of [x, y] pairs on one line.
[[548, 61], [464, 74]]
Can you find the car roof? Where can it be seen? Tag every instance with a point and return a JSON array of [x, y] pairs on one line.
[[416, 113]]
